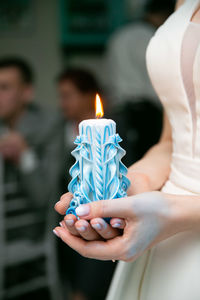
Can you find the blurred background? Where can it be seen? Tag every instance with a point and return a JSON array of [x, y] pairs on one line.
[[55, 56]]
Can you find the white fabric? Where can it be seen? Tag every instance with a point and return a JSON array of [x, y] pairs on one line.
[[190, 44], [171, 271]]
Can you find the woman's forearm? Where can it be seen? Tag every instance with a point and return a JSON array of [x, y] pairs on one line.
[[186, 211], [154, 167]]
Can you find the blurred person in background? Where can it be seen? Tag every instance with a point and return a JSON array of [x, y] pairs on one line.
[[25, 152], [128, 79], [129, 84], [139, 124], [76, 90]]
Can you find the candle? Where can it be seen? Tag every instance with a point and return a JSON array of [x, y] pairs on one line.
[[98, 172]]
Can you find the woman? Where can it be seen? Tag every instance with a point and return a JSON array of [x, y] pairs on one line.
[[166, 221]]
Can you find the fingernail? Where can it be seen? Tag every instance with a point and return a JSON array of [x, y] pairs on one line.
[[116, 225], [83, 210], [61, 225], [56, 233], [97, 226], [69, 222], [82, 228]]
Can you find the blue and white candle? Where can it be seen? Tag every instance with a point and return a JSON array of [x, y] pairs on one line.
[[98, 172]]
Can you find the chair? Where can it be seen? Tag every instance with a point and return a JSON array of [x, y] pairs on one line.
[[18, 252]]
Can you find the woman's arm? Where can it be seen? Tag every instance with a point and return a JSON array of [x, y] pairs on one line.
[[150, 218], [152, 171]]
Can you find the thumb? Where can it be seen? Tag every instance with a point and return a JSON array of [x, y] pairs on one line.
[[105, 208]]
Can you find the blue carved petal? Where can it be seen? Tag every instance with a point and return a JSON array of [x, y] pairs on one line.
[[91, 187], [121, 152], [76, 151], [114, 139], [85, 153], [112, 152], [118, 138], [87, 176], [77, 140], [83, 139], [122, 168], [73, 185], [75, 169], [112, 171], [125, 183], [121, 193], [86, 199], [114, 187], [71, 210]]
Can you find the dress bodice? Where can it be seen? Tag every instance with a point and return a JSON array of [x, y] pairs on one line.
[[173, 60], [170, 271]]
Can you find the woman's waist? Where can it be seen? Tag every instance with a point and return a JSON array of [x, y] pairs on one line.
[[185, 173]]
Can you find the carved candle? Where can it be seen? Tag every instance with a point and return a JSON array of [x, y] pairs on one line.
[[98, 172]]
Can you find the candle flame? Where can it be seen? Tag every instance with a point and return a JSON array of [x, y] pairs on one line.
[[99, 107]]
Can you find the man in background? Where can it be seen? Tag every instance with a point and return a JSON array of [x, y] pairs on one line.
[[126, 64], [77, 88], [136, 106], [27, 160]]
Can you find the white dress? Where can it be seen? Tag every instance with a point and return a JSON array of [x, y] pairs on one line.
[[171, 270]]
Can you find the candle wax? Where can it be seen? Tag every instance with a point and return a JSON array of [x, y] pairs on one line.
[[98, 172]]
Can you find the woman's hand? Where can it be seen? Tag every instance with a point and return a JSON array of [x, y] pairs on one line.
[[98, 228], [149, 218]]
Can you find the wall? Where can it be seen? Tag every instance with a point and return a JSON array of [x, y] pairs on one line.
[[40, 47]]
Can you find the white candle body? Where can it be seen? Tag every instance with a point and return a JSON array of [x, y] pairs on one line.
[[97, 131], [98, 172]]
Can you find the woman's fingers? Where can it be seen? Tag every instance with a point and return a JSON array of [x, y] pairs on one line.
[[120, 208], [80, 228], [70, 221], [86, 231], [62, 205], [104, 250], [118, 223], [104, 229], [94, 230]]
